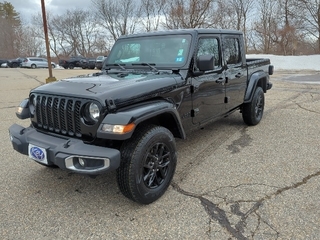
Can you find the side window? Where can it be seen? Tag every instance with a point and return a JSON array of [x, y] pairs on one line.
[[209, 46], [232, 50]]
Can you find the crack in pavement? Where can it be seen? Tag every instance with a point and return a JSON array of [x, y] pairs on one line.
[[7, 107], [29, 76], [219, 215], [309, 110]]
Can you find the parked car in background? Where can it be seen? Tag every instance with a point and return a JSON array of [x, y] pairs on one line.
[[73, 62], [91, 63], [14, 63], [3, 62], [36, 62], [99, 61]]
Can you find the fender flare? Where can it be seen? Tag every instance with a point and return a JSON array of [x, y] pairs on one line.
[[137, 114], [253, 82]]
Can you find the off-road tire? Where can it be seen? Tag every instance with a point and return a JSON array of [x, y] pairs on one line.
[[148, 162], [252, 112]]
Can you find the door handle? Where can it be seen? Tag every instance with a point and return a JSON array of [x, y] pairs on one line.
[[239, 75], [220, 81]]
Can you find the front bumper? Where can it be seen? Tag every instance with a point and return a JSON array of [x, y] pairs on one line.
[[66, 153]]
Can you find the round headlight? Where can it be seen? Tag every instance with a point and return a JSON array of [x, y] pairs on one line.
[[94, 111]]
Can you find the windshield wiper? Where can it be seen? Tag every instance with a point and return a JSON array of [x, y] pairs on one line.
[[149, 65], [117, 64]]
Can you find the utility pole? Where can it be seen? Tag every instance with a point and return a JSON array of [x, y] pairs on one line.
[[44, 17]]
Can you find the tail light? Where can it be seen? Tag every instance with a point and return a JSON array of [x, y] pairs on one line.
[[26, 60]]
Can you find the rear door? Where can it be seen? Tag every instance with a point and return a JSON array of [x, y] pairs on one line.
[[208, 93], [236, 74]]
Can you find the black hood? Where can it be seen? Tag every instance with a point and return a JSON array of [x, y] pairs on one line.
[[119, 87]]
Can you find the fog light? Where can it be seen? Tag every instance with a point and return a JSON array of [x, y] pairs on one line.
[[82, 162]]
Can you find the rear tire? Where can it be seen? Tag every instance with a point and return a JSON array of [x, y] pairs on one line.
[[252, 112], [33, 66], [148, 162], [71, 66]]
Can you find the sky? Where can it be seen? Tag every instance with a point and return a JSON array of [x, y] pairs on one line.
[[26, 8]]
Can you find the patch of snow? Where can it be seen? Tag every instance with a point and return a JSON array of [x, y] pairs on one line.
[[304, 62]]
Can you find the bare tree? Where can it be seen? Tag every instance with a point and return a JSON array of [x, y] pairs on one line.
[[118, 17], [72, 33], [262, 40], [152, 13], [285, 33], [242, 9], [222, 15], [188, 14], [30, 44], [309, 12]]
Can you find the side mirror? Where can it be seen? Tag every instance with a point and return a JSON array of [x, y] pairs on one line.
[[205, 62]]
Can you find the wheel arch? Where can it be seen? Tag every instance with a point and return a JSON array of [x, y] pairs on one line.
[[159, 112], [257, 79]]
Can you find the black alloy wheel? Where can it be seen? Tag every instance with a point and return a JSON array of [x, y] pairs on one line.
[[148, 164], [252, 112]]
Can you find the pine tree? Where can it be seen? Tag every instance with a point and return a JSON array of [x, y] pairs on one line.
[[10, 26]]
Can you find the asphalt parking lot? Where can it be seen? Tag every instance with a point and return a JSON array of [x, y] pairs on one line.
[[231, 182]]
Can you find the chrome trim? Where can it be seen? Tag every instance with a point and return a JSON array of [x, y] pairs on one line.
[[70, 165]]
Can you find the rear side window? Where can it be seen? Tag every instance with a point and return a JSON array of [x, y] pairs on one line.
[[232, 50]]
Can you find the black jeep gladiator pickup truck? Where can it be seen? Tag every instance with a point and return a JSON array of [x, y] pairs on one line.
[[154, 87]]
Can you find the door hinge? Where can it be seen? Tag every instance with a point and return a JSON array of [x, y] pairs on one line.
[[191, 89], [192, 113]]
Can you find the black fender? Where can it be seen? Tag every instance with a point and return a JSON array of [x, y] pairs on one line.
[[260, 79], [139, 113]]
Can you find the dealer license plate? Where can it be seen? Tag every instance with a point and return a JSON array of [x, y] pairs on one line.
[[38, 154]]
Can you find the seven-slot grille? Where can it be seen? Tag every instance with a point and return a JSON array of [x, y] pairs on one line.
[[58, 114]]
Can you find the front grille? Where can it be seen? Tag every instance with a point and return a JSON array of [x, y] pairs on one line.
[[58, 114]]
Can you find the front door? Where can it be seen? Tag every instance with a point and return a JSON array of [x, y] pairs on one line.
[[208, 91]]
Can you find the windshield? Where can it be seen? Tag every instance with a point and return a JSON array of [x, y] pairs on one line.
[[162, 51]]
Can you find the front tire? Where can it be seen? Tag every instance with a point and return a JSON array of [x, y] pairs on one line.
[[147, 165], [252, 112]]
